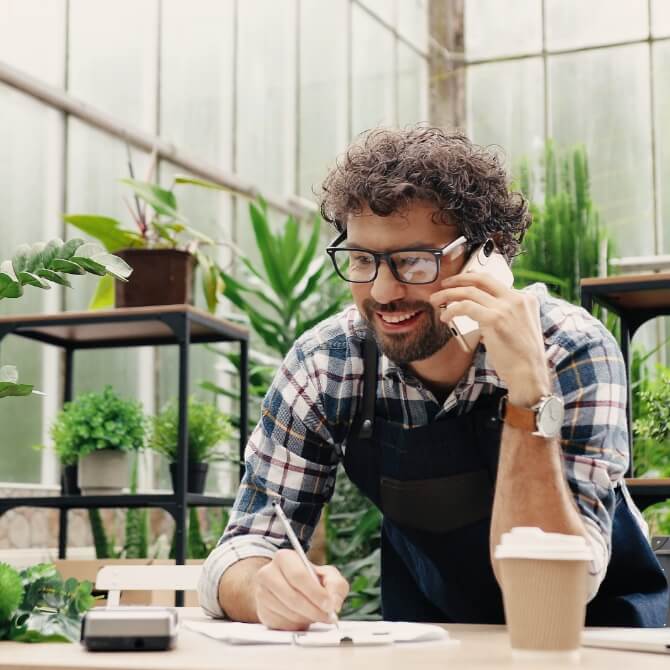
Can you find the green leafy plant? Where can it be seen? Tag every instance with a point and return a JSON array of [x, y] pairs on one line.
[[158, 225], [207, 428], [46, 263], [285, 297], [353, 545], [97, 421], [564, 242], [652, 427], [36, 605]]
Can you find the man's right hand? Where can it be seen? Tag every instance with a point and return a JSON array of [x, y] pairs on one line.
[[288, 598]]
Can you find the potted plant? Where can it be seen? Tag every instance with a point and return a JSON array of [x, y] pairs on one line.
[[99, 430], [207, 428], [163, 251]]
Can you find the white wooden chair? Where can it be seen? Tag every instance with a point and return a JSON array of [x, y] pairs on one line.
[[117, 578]]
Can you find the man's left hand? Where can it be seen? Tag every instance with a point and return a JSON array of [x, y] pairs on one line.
[[509, 321]]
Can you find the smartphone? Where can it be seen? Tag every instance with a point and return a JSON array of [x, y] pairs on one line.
[[486, 258]]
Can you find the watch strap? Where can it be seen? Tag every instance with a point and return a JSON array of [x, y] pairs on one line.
[[524, 418]]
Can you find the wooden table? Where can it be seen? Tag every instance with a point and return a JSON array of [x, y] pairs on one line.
[[481, 647]]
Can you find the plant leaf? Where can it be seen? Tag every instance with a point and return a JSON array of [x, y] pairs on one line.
[[90, 265], [164, 202], [33, 280], [107, 230], [54, 277], [307, 256], [63, 265], [267, 244], [8, 389]]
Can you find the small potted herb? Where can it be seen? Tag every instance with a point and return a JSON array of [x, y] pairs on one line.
[[98, 430], [207, 428]]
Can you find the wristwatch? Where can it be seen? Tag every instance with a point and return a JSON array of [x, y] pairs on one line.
[[543, 419]]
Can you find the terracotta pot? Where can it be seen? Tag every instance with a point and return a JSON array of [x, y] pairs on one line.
[[160, 277]]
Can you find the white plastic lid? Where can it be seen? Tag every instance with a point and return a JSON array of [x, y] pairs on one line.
[[524, 542]]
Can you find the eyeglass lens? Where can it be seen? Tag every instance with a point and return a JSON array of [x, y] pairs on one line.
[[412, 267]]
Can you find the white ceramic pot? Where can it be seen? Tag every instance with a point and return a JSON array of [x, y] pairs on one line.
[[104, 472]]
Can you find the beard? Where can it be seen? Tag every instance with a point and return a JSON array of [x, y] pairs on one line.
[[403, 348]]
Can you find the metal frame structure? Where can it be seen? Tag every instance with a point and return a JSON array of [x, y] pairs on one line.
[[636, 299], [163, 325]]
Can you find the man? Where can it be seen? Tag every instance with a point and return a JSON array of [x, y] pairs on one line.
[[385, 388]]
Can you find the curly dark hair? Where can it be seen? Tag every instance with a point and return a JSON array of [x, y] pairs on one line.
[[387, 169]]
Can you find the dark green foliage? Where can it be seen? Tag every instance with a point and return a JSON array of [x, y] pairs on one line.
[[564, 242], [47, 609], [136, 544], [207, 428], [353, 539], [652, 427], [97, 421], [103, 546], [285, 296]]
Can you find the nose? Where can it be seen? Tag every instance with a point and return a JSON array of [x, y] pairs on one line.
[[386, 288]]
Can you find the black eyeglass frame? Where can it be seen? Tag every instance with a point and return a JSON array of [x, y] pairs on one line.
[[386, 256]]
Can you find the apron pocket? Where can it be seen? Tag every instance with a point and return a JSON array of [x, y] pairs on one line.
[[438, 505]]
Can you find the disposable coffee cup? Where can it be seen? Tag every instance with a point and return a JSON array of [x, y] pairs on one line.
[[544, 586]]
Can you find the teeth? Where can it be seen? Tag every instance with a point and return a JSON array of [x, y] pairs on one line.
[[397, 318]]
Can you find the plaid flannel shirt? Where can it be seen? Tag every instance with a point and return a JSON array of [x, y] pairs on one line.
[[307, 413]]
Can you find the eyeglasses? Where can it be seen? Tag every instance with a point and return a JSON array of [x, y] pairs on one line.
[[409, 266]]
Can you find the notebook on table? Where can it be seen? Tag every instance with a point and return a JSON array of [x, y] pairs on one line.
[[631, 639]]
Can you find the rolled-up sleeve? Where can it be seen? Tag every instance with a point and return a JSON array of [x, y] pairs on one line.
[[591, 378], [289, 456]]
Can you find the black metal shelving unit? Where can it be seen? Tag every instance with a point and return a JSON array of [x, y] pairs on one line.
[[636, 299], [180, 325]]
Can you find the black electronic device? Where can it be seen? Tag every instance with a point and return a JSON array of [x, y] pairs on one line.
[[129, 629]]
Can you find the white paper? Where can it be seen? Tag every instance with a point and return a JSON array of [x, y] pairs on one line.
[[253, 633]]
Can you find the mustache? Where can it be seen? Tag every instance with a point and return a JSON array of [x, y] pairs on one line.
[[370, 306]]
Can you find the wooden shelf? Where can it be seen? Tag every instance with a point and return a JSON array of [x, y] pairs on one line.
[[132, 326], [631, 293]]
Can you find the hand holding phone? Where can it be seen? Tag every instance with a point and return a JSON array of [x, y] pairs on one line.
[[488, 259]]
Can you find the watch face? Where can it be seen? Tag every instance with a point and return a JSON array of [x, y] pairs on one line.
[[550, 417]]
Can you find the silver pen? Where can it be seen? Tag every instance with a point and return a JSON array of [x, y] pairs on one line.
[[299, 550]]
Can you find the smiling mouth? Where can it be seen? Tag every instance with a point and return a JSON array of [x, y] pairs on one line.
[[398, 319]]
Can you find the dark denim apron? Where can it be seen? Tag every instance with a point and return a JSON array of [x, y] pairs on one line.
[[434, 485]]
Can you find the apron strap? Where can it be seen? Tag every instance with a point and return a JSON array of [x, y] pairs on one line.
[[367, 423]]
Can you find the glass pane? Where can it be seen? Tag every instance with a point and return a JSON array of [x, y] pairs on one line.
[[26, 128], [384, 9], [601, 99], [122, 82], [412, 22], [574, 23], [31, 39], [266, 68], [323, 95], [487, 36], [412, 86], [113, 55], [660, 18], [662, 117], [196, 111], [373, 94], [494, 114]]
